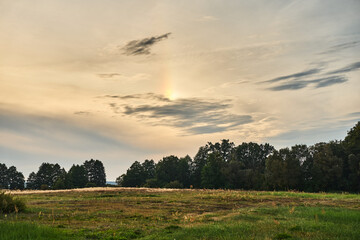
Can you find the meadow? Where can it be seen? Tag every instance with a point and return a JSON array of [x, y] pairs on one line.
[[143, 213]]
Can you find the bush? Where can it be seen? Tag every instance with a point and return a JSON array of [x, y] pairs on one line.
[[174, 184], [90, 185], [9, 204], [151, 183]]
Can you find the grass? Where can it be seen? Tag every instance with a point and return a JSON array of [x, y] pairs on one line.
[[130, 213], [29, 231]]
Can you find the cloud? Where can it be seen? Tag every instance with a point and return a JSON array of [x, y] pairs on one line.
[[341, 47], [290, 86], [325, 82], [348, 68], [142, 46], [192, 115], [295, 75], [153, 96], [354, 114], [319, 83], [82, 113], [108, 75], [207, 18]]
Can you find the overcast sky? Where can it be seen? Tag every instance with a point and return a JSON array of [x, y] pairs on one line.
[[121, 81]]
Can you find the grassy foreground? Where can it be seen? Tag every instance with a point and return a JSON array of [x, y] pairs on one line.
[[125, 213]]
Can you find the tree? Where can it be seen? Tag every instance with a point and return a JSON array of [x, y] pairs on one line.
[[225, 149], [250, 161], [16, 179], [274, 173], [166, 170], [149, 167], [172, 168], [352, 157], [327, 168], [354, 176], [212, 175], [197, 165], [31, 182], [184, 170], [46, 177], [119, 180], [134, 177], [76, 177], [352, 140], [95, 172], [4, 180], [48, 174], [293, 171]]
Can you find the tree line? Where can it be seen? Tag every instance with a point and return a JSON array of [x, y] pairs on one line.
[[332, 166], [51, 176]]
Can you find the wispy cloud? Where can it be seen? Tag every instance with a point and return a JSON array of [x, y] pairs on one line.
[[108, 75], [303, 79], [325, 82], [192, 115], [207, 18], [348, 68], [318, 83], [340, 47], [152, 96], [82, 113], [295, 75], [142, 46]]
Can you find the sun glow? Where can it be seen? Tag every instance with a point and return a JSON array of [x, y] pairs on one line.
[[171, 95]]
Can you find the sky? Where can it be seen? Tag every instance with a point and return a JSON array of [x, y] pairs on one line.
[[125, 81]]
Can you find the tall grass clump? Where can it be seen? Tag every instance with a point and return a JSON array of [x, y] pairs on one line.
[[9, 204], [29, 231]]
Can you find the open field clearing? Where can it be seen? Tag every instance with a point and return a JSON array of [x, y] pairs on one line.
[[140, 213]]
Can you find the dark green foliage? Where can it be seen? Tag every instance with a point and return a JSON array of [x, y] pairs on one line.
[[10, 178], [76, 177], [149, 169], [16, 179], [275, 171], [212, 175], [354, 173], [172, 168], [174, 184], [199, 162], [249, 162], [152, 183], [52, 176], [134, 177], [333, 166], [352, 140], [9, 204], [46, 177], [90, 185], [31, 182], [224, 149], [4, 180], [327, 168], [95, 172]]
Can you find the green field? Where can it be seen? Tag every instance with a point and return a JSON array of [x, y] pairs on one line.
[[121, 213]]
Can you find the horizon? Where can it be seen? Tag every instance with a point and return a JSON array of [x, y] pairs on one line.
[[132, 80]]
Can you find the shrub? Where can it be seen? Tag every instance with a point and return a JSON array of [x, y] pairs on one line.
[[174, 184], [151, 183], [9, 204], [90, 184]]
